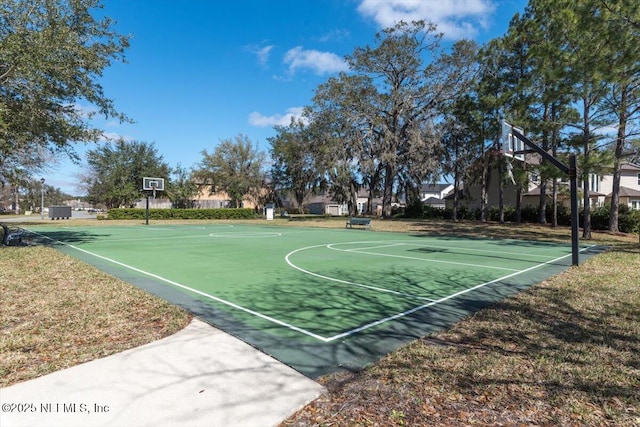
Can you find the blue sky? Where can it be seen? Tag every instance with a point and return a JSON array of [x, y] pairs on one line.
[[200, 71]]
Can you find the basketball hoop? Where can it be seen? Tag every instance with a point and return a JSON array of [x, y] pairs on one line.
[[153, 184]]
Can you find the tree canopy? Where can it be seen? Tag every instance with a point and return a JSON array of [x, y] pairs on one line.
[[52, 55], [116, 170], [236, 167]]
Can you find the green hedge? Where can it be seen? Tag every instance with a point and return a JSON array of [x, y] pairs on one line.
[[628, 219], [222, 213]]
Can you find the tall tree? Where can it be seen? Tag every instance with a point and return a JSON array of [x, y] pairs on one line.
[[342, 130], [236, 167], [116, 170], [294, 167], [52, 53], [182, 189], [575, 24], [460, 118], [622, 101], [405, 101]]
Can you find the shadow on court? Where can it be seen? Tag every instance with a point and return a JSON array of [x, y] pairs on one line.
[[327, 310], [350, 307], [66, 237]]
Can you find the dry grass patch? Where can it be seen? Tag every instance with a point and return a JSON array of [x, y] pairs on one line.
[[566, 352], [57, 312]]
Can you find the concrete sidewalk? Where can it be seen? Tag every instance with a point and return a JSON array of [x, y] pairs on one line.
[[200, 376]]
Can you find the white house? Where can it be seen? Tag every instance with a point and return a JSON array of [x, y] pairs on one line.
[[433, 194]]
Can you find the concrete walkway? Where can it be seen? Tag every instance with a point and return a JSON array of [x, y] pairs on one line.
[[200, 376]]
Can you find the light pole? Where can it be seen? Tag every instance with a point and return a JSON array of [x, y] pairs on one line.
[[42, 198]]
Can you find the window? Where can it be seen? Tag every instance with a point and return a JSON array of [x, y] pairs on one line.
[[639, 179], [594, 182], [635, 204]]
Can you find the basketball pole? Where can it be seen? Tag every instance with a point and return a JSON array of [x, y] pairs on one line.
[[573, 182], [147, 211], [572, 172]]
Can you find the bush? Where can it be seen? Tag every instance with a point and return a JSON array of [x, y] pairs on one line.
[[629, 221], [493, 213], [415, 209], [156, 214], [436, 213], [600, 217]]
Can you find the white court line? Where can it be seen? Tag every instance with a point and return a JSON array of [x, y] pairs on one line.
[[474, 250], [298, 329], [366, 248], [432, 303], [204, 294], [346, 282], [464, 264]]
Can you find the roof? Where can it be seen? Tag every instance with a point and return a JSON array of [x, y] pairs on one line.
[[536, 192], [435, 187], [433, 201], [629, 167], [627, 192]]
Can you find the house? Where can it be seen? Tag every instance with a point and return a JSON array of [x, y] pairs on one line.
[[434, 194], [325, 204], [629, 186], [438, 191], [205, 199], [600, 188]]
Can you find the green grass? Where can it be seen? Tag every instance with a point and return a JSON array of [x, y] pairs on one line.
[[565, 352]]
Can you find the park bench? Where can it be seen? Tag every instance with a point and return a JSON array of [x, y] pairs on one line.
[[11, 236], [366, 222]]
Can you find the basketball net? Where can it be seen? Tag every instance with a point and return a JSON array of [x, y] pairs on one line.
[[510, 170]]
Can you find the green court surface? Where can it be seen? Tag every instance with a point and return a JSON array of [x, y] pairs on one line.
[[317, 299]]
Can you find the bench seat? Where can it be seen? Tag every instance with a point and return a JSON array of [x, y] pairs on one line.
[[365, 222]]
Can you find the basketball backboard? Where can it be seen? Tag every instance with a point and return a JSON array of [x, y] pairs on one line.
[[152, 184], [512, 146]]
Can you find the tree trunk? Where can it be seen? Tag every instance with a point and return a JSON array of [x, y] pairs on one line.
[[387, 195], [586, 231], [456, 185], [501, 190], [617, 164]]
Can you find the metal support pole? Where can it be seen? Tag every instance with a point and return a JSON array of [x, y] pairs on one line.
[[147, 211], [573, 180], [42, 198]]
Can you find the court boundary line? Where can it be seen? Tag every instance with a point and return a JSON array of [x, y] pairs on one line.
[[345, 282], [441, 300], [296, 328], [185, 287], [464, 264]]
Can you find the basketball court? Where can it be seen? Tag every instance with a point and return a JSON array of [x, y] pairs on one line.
[[319, 300]]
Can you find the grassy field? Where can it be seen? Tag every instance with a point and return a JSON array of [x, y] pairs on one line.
[[566, 352]]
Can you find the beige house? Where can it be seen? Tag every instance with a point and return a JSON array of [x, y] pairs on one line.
[[324, 204], [205, 199], [220, 199], [600, 189]]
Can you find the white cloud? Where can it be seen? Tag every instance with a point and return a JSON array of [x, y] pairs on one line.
[[319, 62], [261, 53], [335, 35], [455, 18], [257, 119]]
